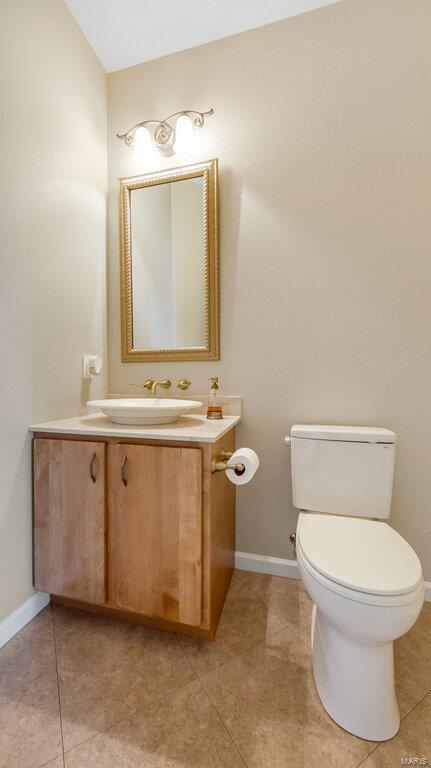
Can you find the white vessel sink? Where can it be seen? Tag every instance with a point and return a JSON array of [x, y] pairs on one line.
[[154, 410]]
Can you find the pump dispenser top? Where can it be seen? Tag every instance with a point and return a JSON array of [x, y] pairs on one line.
[[214, 406]]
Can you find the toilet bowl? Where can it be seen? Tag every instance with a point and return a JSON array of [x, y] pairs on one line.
[[353, 630], [364, 579]]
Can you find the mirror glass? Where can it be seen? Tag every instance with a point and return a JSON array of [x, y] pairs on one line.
[[168, 265], [169, 260]]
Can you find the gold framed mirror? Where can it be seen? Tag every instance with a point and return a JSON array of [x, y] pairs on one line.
[[169, 259]]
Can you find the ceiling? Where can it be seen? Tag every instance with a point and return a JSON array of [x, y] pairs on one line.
[[128, 32]]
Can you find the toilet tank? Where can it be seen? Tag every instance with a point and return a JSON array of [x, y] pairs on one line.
[[343, 470]]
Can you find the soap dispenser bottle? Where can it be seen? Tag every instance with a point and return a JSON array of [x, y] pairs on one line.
[[214, 406]]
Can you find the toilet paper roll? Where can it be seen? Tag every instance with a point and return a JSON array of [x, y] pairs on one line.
[[250, 459]]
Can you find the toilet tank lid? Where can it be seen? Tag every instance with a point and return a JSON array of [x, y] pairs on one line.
[[347, 434]]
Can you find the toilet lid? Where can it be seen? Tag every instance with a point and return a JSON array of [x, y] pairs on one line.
[[366, 555]]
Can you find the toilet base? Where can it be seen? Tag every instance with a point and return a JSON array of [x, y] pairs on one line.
[[355, 681]]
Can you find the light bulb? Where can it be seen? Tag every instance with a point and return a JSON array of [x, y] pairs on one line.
[[142, 146], [183, 135]]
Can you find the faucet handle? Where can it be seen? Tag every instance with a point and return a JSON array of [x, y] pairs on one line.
[[183, 384], [146, 385]]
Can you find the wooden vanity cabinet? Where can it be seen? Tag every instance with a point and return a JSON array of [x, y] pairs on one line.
[[155, 531], [135, 529], [70, 518]]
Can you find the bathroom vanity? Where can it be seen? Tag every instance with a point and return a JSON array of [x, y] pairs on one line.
[[134, 519], [130, 521]]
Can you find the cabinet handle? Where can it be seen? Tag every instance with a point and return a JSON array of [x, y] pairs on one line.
[[123, 470], [92, 460]]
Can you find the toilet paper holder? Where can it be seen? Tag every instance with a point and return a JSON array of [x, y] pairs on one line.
[[221, 464]]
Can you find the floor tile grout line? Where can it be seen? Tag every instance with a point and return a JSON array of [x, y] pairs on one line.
[[369, 754], [58, 682], [258, 597], [186, 656], [258, 642], [229, 733], [132, 714], [235, 656], [200, 675], [403, 738], [271, 608], [409, 746], [50, 761], [415, 705], [214, 669], [158, 701], [291, 626]]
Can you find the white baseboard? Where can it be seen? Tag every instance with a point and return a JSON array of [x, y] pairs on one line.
[[278, 566], [19, 618], [275, 566]]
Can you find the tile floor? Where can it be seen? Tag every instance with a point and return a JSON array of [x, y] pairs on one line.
[[83, 691]]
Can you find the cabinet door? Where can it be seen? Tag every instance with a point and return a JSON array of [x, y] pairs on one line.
[[155, 531], [70, 518]]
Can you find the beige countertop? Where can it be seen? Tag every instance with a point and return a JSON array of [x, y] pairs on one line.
[[194, 428]]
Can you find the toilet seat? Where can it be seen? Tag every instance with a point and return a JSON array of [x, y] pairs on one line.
[[355, 596], [365, 560]]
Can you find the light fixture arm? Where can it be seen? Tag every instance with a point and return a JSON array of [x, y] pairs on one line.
[[163, 133]]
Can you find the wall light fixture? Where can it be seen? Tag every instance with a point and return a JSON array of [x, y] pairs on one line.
[[173, 133]]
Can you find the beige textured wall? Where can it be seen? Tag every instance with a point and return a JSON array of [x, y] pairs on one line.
[[52, 224], [323, 130]]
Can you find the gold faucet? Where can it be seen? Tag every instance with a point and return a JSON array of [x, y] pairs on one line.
[[152, 385]]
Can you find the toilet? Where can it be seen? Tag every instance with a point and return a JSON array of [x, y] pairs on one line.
[[364, 579]]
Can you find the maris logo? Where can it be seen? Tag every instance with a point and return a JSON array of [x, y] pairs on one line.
[[414, 761]]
